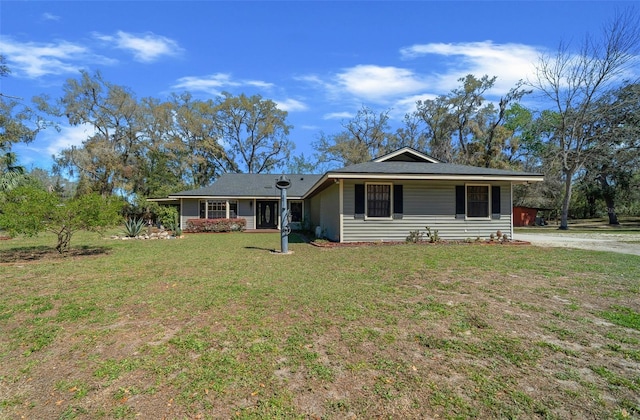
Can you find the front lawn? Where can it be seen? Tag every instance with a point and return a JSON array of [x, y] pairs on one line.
[[217, 326]]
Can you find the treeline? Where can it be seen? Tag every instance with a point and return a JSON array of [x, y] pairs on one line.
[[585, 139]]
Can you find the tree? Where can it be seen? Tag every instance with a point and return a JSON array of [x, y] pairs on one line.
[[29, 210], [299, 164], [55, 183], [573, 83], [494, 136], [412, 133], [365, 136], [194, 140], [110, 157], [462, 128], [440, 126], [18, 123], [254, 132], [4, 69], [464, 104], [11, 174], [608, 175]]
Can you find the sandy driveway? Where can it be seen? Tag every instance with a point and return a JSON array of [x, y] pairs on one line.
[[612, 242]]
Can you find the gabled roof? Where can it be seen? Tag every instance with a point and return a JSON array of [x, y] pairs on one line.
[[251, 186], [427, 169], [406, 154], [405, 164]]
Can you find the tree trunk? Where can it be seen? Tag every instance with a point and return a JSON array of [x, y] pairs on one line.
[[564, 221], [611, 210], [609, 195]]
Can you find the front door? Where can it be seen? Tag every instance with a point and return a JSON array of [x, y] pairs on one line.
[[267, 214]]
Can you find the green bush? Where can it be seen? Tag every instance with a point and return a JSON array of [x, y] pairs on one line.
[[29, 210], [167, 216]]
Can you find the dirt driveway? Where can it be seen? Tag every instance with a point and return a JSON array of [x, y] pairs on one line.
[[624, 243]]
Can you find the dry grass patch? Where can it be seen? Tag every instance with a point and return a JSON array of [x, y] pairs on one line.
[[215, 326]]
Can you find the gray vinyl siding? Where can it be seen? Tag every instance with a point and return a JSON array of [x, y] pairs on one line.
[[314, 211], [189, 209], [245, 211], [425, 204], [325, 211]]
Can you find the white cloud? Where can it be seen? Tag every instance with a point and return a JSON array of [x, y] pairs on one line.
[[50, 16], [407, 105], [337, 115], [509, 62], [33, 59], [377, 83], [257, 83], [145, 48], [67, 137], [291, 105], [51, 143], [214, 84]]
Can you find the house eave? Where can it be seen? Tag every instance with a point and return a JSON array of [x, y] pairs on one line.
[[439, 177], [165, 200], [331, 178], [229, 197]]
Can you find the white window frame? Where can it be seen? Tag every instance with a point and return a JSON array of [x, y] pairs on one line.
[[466, 202], [227, 207], [366, 201]]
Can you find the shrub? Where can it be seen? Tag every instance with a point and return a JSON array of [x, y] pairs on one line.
[[29, 210], [133, 227], [166, 215], [432, 235], [414, 236], [215, 225]]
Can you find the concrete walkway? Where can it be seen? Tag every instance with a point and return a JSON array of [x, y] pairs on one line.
[[610, 242]]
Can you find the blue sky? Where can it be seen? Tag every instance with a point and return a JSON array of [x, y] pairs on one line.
[[319, 60]]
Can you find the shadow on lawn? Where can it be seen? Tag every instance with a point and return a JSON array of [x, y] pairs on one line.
[[45, 253], [294, 238]]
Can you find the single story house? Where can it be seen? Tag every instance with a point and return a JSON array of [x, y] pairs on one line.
[[380, 200]]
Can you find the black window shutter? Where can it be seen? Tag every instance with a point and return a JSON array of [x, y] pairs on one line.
[[398, 202], [359, 200], [460, 199], [495, 200]]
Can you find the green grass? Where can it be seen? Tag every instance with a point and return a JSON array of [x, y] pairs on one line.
[[216, 326]]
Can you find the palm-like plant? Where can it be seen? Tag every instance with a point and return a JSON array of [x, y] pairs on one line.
[[133, 227], [10, 172]]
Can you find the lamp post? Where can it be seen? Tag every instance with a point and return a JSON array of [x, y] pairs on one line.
[[283, 183]]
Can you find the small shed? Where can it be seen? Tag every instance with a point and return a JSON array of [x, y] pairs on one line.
[[524, 216]]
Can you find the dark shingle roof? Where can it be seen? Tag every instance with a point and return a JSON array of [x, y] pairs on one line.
[[252, 185], [425, 168], [263, 185]]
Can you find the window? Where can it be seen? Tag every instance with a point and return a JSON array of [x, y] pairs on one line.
[[477, 201], [217, 209], [295, 211], [233, 209], [378, 200], [375, 200]]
